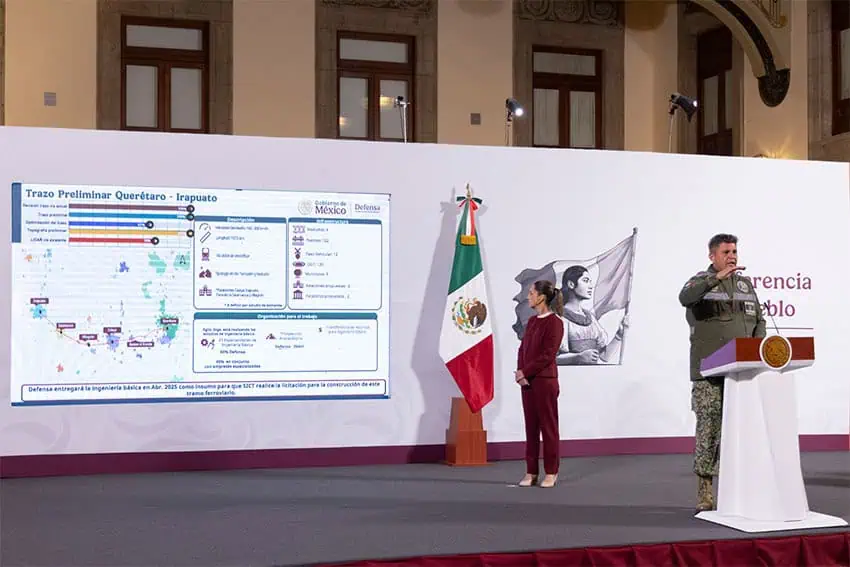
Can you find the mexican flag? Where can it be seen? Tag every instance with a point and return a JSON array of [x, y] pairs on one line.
[[466, 339]]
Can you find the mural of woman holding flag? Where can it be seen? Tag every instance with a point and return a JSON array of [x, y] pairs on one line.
[[585, 340], [597, 294]]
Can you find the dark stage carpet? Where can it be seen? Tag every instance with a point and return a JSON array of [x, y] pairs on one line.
[[303, 516]]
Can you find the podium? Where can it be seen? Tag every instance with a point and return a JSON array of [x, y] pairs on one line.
[[760, 485]]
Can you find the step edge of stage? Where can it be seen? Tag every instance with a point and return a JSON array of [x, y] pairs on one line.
[[812, 521]]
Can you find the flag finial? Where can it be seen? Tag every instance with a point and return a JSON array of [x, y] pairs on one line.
[[469, 237]]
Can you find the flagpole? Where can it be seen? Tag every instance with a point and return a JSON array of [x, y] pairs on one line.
[[469, 359], [631, 278]]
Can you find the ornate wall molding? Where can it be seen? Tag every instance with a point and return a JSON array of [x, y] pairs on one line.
[[774, 84], [419, 6], [599, 12], [773, 10]]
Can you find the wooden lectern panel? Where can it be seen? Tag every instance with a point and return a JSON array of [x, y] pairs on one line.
[[802, 348], [466, 439], [744, 354]]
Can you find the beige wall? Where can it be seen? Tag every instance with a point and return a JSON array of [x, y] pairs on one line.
[[51, 46], [475, 66], [274, 68], [651, 37]]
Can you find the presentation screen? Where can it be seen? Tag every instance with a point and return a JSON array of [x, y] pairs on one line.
[[143, 294]]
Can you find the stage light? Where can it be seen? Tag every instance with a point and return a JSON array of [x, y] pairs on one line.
[[687, 105], [513, 108], [401, 104]]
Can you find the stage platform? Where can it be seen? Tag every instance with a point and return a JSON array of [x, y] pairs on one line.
[[331, 515]]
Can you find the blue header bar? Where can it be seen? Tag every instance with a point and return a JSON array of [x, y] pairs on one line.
[[246, 220], [334, 221], [287, 316]]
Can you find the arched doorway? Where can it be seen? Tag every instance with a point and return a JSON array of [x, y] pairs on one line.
[[749, 25]]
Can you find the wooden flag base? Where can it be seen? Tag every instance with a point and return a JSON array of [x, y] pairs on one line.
[[466, 439]]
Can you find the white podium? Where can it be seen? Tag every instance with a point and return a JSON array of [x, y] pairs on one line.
[[760, 479]]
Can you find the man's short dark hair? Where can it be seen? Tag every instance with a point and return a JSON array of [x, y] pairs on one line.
[[722, 238]]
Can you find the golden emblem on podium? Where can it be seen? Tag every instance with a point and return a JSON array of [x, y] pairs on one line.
[[775, 351]]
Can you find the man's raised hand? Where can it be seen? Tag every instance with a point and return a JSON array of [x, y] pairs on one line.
[[726, 272]]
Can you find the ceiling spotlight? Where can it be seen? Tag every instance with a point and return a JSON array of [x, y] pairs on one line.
[[686, 104], [513, 108]]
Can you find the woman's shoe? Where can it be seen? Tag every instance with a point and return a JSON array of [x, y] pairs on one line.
[[549, 481], [528, 480]]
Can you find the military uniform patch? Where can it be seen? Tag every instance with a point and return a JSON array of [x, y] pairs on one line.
[[743, 287], [750, 308]]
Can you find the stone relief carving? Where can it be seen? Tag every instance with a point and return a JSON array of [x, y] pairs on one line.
[[773, 10], [599, 12], [420, 6]]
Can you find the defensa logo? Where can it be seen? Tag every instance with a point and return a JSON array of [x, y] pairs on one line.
[[367, 208], [331, 208]]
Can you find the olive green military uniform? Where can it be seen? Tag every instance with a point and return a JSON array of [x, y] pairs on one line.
[[717, 312]]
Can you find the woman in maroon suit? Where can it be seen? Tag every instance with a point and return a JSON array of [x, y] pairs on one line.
[[537, 374]]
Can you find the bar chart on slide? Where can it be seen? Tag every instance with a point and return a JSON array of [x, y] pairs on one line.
[[101, 224]]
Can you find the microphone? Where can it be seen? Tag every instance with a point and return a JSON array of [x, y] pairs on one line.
[[734, 277], [769, 314], [772, 320]]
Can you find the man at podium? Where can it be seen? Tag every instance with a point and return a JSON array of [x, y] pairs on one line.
[[721, 305]]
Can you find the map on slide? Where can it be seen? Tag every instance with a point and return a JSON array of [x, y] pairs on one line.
[[153, 294], [126, 328]]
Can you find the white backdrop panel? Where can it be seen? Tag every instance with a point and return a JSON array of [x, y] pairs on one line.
[[540, 206]]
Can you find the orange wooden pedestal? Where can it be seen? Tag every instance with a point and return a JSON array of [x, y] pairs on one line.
[[466, 440]]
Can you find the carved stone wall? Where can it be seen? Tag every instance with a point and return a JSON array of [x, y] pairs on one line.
[[582, 24], [416, 18], [822, 144], [220, 15], [600, 12], [775, 10]]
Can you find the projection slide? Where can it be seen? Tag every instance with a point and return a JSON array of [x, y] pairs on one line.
[[138, 294]]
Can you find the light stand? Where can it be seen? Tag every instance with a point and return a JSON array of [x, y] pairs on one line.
[[512, 108], [670, 129], [402, 105], [687, 105]]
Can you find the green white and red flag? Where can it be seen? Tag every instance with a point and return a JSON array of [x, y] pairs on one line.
[[466, 338]]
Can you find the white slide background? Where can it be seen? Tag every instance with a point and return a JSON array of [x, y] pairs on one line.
[[539, 206]]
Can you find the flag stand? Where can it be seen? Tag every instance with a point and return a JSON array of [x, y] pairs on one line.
[[466, 439]]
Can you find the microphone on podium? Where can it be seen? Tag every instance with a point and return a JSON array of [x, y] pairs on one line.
[[772, 320]]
